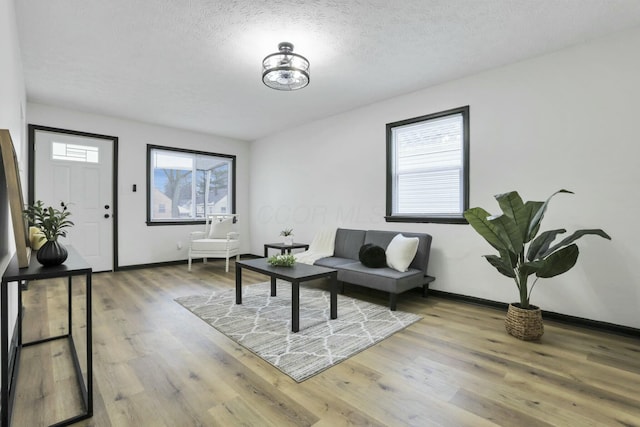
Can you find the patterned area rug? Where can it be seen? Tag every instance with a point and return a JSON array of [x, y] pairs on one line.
[[263, 325]]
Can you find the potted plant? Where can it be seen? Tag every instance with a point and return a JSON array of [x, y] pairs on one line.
[[287, 233], [523, 252], [287, 260], [51, 222]]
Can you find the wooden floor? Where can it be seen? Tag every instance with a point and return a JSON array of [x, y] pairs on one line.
[[156, 364]]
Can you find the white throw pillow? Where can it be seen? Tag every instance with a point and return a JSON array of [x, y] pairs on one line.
[[219, 230], [401, 251]]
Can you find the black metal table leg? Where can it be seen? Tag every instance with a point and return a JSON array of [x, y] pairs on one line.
[[334, 296], [295, 306], [69, 316], [238, 284], [89, 348]]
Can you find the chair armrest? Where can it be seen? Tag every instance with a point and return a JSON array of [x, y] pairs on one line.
[[233, 235], [196, 235]]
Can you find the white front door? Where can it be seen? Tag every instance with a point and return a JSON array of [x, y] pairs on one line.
[[78, 170]]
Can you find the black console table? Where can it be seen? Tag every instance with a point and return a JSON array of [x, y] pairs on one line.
[[75, 265]]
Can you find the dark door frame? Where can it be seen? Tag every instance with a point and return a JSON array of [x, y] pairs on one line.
[[31, 173]]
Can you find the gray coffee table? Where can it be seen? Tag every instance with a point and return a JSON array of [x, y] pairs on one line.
[[296, 274]]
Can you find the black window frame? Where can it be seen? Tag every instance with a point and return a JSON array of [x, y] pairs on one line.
[[150, 148], [427, 217]]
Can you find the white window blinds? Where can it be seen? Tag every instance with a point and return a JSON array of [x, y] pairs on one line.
[[428, 167]]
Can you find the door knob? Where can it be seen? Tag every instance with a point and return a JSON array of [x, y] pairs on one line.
[[106, 206], [106, 215]]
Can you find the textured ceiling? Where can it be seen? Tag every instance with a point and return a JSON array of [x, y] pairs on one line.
[[196, 64]]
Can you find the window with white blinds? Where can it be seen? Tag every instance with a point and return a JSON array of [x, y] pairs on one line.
[[427, 167]]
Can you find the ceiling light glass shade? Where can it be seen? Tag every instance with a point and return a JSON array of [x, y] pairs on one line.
[[285, 70]]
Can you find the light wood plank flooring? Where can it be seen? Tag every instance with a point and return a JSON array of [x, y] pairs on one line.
[[156, 364]]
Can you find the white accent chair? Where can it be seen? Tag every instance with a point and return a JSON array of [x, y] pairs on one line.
[[218, 240]]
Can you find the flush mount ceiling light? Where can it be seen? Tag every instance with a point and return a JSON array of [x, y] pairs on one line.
[[285, 70]]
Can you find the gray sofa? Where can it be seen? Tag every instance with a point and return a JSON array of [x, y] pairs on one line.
[[345, 259]]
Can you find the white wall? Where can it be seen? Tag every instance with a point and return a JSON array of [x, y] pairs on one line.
[[12, 102], [563, 120], [138, 243]]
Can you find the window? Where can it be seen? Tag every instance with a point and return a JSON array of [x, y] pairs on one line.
[[184, 186], [428, 168], [74, 152]]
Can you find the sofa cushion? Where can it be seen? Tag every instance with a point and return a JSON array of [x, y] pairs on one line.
[[401, 251], [220, 229], [333, 261], [348, 243], [372, 256], [384, 279], [383, 237], [214, 244]]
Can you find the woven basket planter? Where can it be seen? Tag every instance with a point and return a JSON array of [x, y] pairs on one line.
[[524, 324]]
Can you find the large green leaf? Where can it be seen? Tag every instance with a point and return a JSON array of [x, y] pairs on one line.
[[529, 211], [512, 257], [512, 232], [541, 243], [534, 224], [575, 236], [501, 265], [492, 232], [559, 262], [513, 207], [529, 268], [510, 203]]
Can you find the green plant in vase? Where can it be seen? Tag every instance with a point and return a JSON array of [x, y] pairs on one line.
[[287, 235], [522, 252], [52, 222]]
